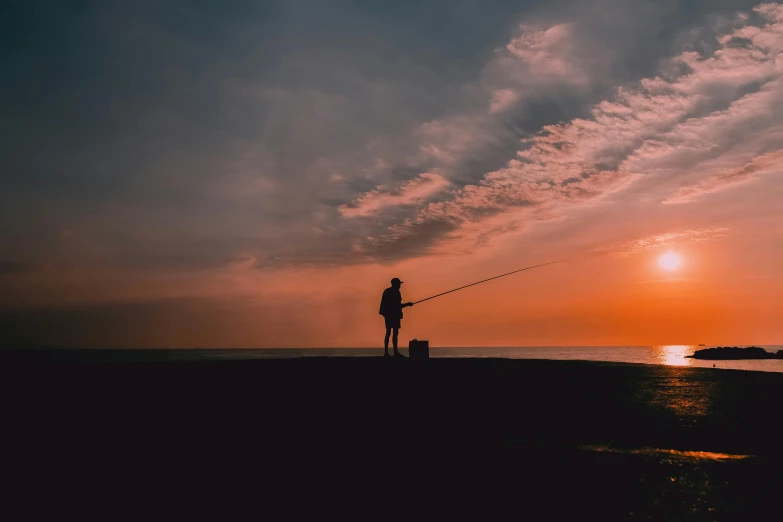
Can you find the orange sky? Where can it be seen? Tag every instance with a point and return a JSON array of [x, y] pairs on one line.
[[726, 292]]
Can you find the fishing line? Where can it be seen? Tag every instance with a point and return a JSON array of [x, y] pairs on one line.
[[490, 279]]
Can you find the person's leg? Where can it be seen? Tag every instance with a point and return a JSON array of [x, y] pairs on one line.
[[394, 338], [386, 342]]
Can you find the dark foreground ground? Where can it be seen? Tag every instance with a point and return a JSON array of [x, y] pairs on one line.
[[374, 438]]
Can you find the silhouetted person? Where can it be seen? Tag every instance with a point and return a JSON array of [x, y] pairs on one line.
[[391, 310]]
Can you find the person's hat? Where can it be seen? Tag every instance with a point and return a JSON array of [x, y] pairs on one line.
[[396, 280]]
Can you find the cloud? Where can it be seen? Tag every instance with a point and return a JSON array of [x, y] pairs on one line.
[[411, 193], [457, 146], [502, 99], [766, 163], [661, 129], [540, 61], [466, 149], [639, 246], [548, 53]]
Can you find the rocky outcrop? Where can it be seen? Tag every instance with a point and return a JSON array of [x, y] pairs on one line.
[[734, 352]]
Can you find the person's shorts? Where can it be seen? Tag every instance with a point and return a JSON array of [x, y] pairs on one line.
[[392, 322]]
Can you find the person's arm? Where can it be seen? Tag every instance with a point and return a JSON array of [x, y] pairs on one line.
[[406, 305]]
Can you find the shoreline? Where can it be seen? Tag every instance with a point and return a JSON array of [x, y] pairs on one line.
[[221, 356]]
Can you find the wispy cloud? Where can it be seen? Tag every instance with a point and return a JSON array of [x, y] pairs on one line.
[[766, 163], [413, 192], [658, 241], [548, 53], [502, 99]]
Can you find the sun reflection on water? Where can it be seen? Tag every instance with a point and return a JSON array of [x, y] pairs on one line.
[[674, 355], [670, 454], [677, 391]]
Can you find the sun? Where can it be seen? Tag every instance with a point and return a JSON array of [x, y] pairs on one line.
[[670, 261]]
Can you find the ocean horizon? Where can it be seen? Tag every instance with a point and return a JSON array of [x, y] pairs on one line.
[[666, 355]]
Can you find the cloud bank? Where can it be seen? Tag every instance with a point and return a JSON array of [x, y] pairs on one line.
[[682, 126]]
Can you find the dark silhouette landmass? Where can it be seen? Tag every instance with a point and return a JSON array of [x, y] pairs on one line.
[[723, 353], [364, 437]]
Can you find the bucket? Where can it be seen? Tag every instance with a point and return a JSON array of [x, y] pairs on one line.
[[419, 349]]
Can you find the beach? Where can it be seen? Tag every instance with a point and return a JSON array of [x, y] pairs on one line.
[[546, 439]]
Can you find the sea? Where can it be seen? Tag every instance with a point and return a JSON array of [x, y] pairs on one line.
[[668, 355]]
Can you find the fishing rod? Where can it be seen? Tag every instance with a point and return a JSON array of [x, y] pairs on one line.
[[490, 279]]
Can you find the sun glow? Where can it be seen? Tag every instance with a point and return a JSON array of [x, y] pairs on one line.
[[673, 355], [670, 261]]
